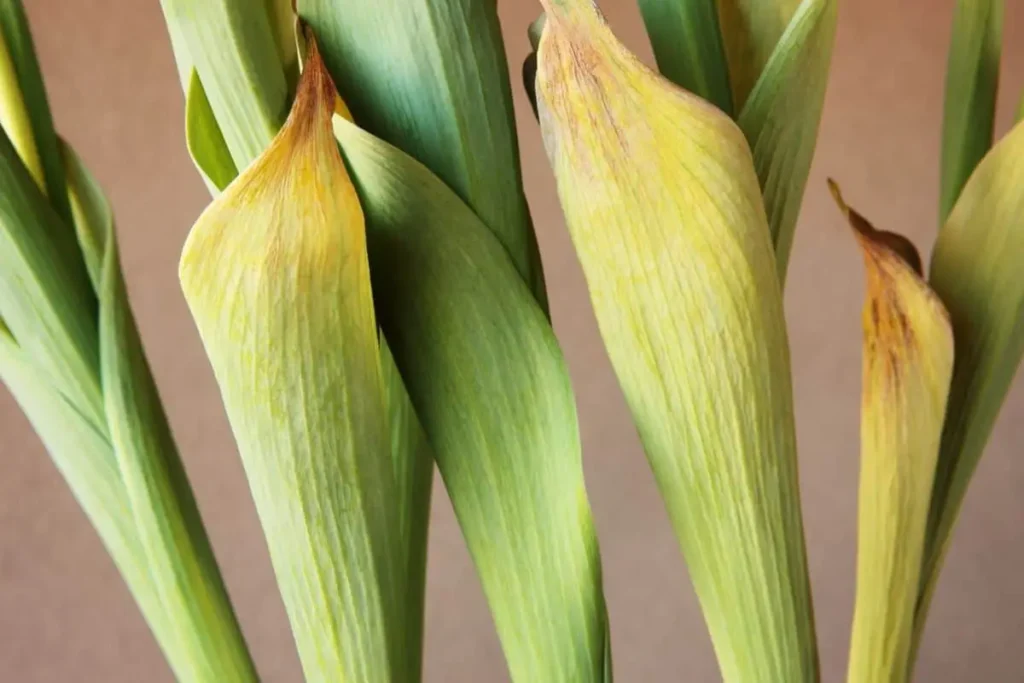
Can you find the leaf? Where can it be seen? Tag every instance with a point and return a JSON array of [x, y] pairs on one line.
[[975, 270], [666, 216], [234, 52], [530, 63], [972, 82], [91, 215], [484, 372], [751, 29], [16, 37], [281, 297], [46, 300], [908, 361], [687, 42], [431, 78], [206, 144], [782, 115]]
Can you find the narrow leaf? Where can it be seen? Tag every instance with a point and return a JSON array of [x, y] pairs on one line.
[[281, 296], [750, 30], [90, 213], [782, 114], [16, 37], [430, 77], [666, 216], [206, 143], [687, 42], [908, 361], [975, 270], [462, 324], [972, 82]]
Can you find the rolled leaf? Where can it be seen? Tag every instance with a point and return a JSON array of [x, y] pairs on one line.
[[975, 270], [750, 30], [782, 114], [462, 324], [206, 144], [687, 42], [972, 82], [666, 216], [431, 78], [275, 273], [908, 361]]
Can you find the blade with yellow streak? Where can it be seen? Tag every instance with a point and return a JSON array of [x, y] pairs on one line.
[[666, 216], [908, 361], [276, 275]]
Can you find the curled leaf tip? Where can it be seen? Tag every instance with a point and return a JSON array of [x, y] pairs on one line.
[[875, 241]]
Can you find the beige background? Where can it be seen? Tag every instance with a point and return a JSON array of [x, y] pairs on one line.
[[64, 615]]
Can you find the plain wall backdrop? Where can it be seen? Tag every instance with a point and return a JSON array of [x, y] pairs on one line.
[[64, 614]]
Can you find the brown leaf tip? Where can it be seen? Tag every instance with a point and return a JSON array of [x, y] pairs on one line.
[[315, 95], [890, 241]]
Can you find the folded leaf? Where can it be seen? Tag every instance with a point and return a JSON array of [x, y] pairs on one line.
[[908, 361], [463, 325], [975, 270], [687, 42], [275, 273], [666, 216], [750, 30], [972, 82], [17, 39], [781, 117], [431, 78]]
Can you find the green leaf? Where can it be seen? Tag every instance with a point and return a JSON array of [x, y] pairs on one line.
[[281, 297], [975, 270], [972, 81], [669, 227], [750, 31], [687, 42], [207, 640], [463, 325], [431, 78], [205, 141], [46, 300], [908, 360], [90, 213], [782, 114], [15, 36], [234, 51]]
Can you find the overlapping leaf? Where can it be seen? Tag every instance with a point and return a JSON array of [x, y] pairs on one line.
[[666, 216], [908, 361], [489, 383]]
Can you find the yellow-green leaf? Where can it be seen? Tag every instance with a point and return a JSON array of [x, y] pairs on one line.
[[908, 361], [687, 42], [781, 117], [666, 216], [489, 383], [972, 82], [275, 273], [45, 161], [976, 271]]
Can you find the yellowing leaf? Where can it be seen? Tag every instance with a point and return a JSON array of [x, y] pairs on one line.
[[972, 83], [908, 361], [666, 216], [275, 272]]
